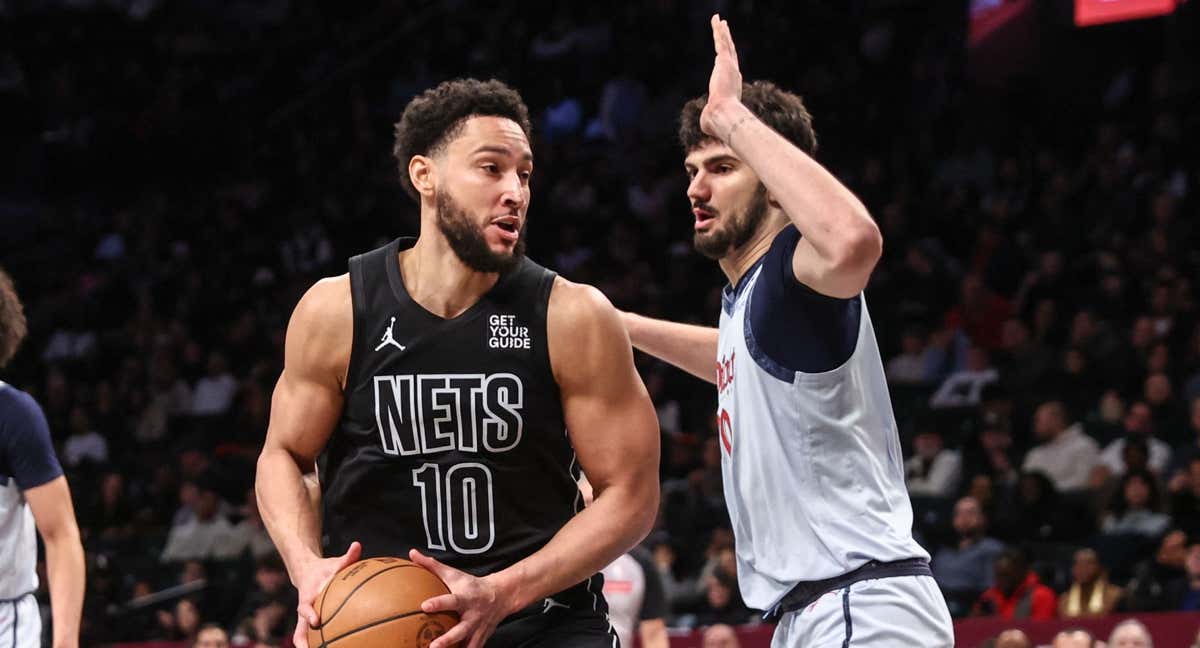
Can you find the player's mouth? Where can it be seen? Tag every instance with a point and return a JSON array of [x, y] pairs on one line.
[[704, 218], [508, 227]]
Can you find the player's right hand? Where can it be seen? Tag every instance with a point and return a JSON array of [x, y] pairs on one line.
[[310, 581]]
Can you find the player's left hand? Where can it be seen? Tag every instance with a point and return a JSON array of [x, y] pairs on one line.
[[725, 84], [481, 606]]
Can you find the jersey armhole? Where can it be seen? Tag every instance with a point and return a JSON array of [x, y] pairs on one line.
[[542, 310], [358, 301], [791, 328]]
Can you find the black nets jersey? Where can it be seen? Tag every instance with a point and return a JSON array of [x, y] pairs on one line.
[[452, 439]]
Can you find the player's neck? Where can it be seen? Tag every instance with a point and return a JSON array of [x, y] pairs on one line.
[[739, 261], [439, 281]]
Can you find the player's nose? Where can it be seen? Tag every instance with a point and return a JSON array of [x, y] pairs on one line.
[[698, 189]]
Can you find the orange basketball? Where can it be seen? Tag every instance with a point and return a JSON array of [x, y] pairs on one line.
[[376, 603]]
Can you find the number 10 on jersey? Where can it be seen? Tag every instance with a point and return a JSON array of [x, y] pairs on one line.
[[458, 508]]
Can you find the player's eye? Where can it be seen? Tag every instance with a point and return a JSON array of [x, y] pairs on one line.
[[491, 167], [525, 175], [724, 168]]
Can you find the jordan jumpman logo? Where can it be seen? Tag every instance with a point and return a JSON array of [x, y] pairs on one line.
[[388, 339]]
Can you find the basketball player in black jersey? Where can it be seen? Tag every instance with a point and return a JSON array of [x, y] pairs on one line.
[[450, 390]]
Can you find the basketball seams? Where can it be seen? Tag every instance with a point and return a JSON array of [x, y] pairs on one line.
[[381, 622], [349, 594]]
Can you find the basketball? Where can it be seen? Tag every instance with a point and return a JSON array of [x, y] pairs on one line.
[[376, 603]]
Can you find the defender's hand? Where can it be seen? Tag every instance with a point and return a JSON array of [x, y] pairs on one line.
[[481, 606], [725, 84]]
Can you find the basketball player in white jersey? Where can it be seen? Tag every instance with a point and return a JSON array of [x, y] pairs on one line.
[[812, 467], [33, 493]]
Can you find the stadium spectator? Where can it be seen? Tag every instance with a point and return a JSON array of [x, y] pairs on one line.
[[720, 636], [1185, 593], [1138, 424], [1066, 455], [1073, 638], [211, 635], [1018, 593], [1136, 507], [964, 569], [1090, 593], [1153, 580], [1130, 633], [207, 534], [934, 469]]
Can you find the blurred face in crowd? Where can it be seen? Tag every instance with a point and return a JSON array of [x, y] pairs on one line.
[[1137, 492], [968, 517], [1158, 389], [1196, 416], [1048, 421], [187, 616], [482, 192], [1072, 639], [729, 202], [927, 444], [1129, 636], [1086, 568], [1008, 574], [212, 638], [1137, 421], [1173, 549], [1013, 639], [1192, 564], [719, 596], [720, 636]]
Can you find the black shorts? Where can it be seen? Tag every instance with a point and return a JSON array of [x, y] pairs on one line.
[[557, 628]]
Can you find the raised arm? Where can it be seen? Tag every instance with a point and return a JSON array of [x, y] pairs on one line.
[[54, 516], [614, 431], [687, 346], [841, 244], [304, 409]]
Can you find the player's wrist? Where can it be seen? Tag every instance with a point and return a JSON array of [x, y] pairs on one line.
[[509, 592], [729, 116]]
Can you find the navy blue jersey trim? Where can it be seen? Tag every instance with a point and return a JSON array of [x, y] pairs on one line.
[[730, 294], [760, 356], [846, 616]]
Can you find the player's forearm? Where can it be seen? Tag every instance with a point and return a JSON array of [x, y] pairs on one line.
[[286, 509], [687, 346], [826, 212], [614, 523], [65, 571]]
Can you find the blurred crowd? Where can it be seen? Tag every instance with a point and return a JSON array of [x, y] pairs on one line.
[[179, 174]]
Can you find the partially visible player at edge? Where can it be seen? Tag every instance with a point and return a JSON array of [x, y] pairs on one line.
[[813, 474], [33, 493], [453, 390]]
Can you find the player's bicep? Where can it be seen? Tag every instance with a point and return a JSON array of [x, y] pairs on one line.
[[52, 510], [308, 397], [609, 415]]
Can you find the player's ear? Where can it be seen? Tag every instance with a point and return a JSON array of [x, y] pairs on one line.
[[423, 173]]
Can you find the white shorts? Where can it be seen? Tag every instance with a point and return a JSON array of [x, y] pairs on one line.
[[20, 623], [897, 612]]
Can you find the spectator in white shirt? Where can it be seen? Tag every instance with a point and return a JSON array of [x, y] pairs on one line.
[[215, 391], [933, 470], [1139, 423], [1066, 455], [207, 536], [964, 388]]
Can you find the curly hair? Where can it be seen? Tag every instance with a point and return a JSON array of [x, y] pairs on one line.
[[12, 319], [435, 117], [783, 111]]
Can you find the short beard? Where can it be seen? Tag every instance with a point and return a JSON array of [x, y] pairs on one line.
[[737, 232], [468, 242]]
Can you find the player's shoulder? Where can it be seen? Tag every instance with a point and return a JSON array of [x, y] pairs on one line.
[[327, 302], [17, 403], [577, 304]]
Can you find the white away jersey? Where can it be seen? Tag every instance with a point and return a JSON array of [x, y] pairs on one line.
[[27, 460], [812, 465]]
